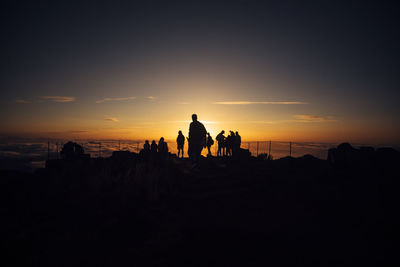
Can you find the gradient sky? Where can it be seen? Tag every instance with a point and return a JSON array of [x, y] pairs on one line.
[[280, 70]]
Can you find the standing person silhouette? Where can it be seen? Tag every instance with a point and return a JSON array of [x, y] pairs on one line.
[[221, 140], [146, 146], [153, 147], [197, 140], [229, 143], [180, 141], [162, 146], [238, 142]]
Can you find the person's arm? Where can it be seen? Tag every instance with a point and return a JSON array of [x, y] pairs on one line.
[[190, 130], [204, 135]]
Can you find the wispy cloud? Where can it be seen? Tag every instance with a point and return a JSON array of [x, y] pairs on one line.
[[298, 118], [187, 121], [151, 98], [22, 101], [60, 99], [263, 122], [112, 119], [78, 131], [313, 118], [107, 99], [260, 103]]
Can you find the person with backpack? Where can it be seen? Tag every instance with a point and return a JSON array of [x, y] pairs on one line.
[[197, 140], [209, 143]]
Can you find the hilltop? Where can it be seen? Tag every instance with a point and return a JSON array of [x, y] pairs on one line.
[[129, 210]]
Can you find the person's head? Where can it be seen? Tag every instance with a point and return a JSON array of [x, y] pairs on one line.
[[180, 132], [222, 131], [194, 117], [147, 141], [208, 134], [237, 133], [162, 139]]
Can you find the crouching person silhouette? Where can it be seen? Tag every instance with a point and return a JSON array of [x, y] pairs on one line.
[[197, 140]]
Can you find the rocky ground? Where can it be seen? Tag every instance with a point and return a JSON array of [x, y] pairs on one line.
[[253, 212]]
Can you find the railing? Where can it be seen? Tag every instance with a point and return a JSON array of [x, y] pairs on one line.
[[29, 155], [277, 149]]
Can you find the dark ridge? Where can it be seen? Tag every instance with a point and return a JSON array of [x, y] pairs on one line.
[[153, 209]]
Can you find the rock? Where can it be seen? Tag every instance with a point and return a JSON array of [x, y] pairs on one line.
[[72, 150]]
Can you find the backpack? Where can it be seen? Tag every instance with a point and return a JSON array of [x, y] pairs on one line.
[[210, 141]]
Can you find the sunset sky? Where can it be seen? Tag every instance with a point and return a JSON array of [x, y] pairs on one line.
[[325, 71]]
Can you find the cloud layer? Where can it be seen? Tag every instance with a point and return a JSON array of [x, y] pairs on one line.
[[112, 119], [260, 103], [60, 99], [187, 121], [108, 99], [313, 118]]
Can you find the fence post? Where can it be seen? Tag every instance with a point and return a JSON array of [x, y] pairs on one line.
[[269, 149], [290, 150], [257, 148]]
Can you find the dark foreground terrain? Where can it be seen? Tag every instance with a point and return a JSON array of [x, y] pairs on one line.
[[130, 211]]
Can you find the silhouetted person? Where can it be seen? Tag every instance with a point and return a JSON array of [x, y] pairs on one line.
[[180, 141], [146, 146], [237, 143], [153, 147], [162, 146], [209, 143], [221, 140], [197, 139], [229, 143]]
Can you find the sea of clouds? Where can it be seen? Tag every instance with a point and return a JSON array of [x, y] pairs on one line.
[[27, 155]]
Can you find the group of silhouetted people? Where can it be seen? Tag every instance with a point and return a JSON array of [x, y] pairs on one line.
[[229, 145], [161, 148], [198, 139]]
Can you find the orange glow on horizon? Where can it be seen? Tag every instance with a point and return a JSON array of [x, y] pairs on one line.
[[250, 131]]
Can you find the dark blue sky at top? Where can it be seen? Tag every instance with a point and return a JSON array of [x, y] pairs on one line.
[[330, 42]]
